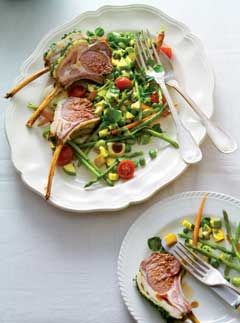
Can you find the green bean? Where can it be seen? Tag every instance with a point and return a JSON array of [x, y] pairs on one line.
[[162, 136], [134, 154], [212, 255], [237, 236], [207, 243], [87, 162], [93, 135], [229, 233], [102, 175]]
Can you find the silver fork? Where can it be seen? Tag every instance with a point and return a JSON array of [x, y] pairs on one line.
[[189, 150], [206, 274], [222, 140], [199, 268]]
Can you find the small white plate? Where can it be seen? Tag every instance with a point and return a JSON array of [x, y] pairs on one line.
[[31, 154], [160, 219]]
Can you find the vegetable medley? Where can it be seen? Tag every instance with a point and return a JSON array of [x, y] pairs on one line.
[[216, 239], [129, 105]]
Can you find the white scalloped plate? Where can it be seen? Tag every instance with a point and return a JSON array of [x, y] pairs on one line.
[[162, 218], [31, 155]]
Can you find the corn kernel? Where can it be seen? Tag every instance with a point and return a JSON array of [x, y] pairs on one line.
[[218, 235], [170, 239], [103, 133], [187, 224], [113, 176], [110, 161], [103, 151]]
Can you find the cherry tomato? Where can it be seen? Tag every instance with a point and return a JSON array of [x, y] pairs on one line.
[[123, 83], [66, 156], [154, 97], [167, 51], [126, 169], [77, 91]]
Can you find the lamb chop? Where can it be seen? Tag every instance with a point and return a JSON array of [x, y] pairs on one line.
[[69, 60], [54, 52], [159, 280], [81, 61], [73, 117]]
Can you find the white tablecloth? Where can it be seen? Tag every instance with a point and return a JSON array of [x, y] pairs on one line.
[[59, 267]]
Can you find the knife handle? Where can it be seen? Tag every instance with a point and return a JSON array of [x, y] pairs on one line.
[[229, 295]]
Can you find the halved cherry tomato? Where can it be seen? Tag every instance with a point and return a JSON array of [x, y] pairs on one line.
[[66, 156], [123, 83], [126, 169], [167, 51], [154, 97], [77, 91]]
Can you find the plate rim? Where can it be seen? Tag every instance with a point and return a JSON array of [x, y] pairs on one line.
[[180, 196], [39, 48]]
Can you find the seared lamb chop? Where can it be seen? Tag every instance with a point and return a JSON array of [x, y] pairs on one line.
[[55, 51], [84, 62], [81, 61], [73, 116], [159, 280]]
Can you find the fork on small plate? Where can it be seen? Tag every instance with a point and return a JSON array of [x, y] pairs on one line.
[[146, 51], [205, 273]]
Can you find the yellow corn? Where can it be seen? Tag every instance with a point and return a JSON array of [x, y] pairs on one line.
[[113, 176], [110, 161], [170, 239], [218, 235], [187, 224], [103, 151]]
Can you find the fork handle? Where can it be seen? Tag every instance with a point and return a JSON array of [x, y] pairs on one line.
[[223, 141], [228, 294], [190, 151]]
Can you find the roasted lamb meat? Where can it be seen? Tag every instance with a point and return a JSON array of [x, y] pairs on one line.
[[73, 116], [84, 61], [159, 281], [80, 61]]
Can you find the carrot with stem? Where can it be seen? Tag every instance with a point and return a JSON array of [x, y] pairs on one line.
[[198, 220]]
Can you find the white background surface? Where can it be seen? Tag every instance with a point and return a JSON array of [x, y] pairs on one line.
[[58, 267]]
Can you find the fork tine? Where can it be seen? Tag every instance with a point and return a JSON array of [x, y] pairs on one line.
[[145, 39], [196, 257], [191, 259], [139, 52], [187, 264], [142, 46], [153, 48]]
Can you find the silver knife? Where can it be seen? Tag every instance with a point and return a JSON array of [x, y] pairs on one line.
[[229, 295]]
